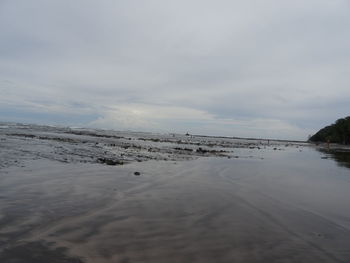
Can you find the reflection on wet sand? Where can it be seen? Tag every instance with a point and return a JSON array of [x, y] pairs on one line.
[[102, 197], [341, 156], [208, 210]]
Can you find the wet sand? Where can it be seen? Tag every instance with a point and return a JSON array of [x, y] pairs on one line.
[[288, 204]]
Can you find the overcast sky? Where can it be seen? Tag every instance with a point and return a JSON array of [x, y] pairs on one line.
[[263, 68]]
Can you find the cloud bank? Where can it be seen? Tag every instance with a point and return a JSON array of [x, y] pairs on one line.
[[275, 69]]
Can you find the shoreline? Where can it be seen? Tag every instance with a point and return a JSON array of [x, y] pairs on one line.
[[174, 199]]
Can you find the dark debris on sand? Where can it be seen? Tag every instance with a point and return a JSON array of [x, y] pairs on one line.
[[36, 252]]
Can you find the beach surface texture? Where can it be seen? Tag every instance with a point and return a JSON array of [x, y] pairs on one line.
[[82, 195]]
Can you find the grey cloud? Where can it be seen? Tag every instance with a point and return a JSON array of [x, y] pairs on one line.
[[240, 60]]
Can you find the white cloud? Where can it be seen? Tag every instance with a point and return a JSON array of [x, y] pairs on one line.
[[171, 119]]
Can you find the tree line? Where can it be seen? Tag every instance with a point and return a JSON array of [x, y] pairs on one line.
[[338, 132]]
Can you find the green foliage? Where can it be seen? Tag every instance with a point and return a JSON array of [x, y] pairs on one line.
[[339, 132]]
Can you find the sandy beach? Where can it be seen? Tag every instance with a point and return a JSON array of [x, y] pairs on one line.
[[75, 195]]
